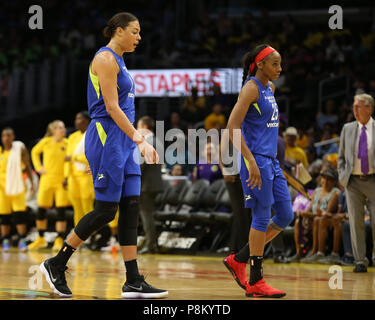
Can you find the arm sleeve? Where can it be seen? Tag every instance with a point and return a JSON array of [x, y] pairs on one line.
[[35, 154], [69, 152]]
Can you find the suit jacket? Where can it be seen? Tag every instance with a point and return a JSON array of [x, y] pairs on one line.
[[345, 161], [151, 180]]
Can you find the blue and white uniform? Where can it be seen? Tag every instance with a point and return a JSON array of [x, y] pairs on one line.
[[111, 154], [260, 131]]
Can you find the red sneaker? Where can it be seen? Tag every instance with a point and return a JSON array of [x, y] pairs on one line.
[[262, 290], [237, 269]]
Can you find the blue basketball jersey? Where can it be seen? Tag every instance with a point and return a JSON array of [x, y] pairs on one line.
[[125, 89], [260, 126]]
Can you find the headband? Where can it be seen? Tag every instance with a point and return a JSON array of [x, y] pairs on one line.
[[260, 56]]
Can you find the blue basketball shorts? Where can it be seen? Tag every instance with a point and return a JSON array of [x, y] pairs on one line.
[[274, 186], [114, 161], [273, 193]]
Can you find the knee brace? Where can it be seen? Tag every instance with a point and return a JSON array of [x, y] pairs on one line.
[[42, 214], [60, 214], [283, 215], [261, 217], [128, 221], [20, 217], [104, 212], [6, 219]]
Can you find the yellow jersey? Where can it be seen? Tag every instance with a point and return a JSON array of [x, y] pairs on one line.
[[70, 168], [213, 120], [4, 155], [53, 156]]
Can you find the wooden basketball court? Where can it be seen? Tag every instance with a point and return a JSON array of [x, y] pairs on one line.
[[95, 275]]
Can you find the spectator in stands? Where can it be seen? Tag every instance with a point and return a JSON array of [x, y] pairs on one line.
[[329, 115], [215, 120], [294, 154], [302, 141], [325, 198], [178, 152], [208, 166], [175, 122], [335, 221], [372, 88], [356, 166], [194, 107], [280, 154], [177, 170], [315, 163], [342, 214], [327, 148], [220, 98]]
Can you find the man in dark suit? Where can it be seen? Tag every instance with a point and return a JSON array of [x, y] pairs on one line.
[[356, 167], [151, 185]]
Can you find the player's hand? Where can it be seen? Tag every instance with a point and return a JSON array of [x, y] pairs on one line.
[[144, 132], [88, 170], [254, 175], [148, 151], [68, 158]]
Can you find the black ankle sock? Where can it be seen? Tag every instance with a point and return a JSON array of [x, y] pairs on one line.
[[243, 255], [41, 232], [132, 273], [256, 269], [64, 254]]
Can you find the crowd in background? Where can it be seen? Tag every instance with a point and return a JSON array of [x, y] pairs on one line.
[[209, 38]]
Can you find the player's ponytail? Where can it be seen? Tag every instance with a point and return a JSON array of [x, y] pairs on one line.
[[121, 19], [248, 59]]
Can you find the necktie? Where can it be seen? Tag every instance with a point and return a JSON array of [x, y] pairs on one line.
[[362, 151]]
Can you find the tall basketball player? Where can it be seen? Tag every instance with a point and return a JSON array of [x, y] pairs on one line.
[[110, 142]]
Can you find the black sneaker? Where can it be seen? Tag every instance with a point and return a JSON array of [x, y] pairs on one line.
[[55, 276], [141, 289]]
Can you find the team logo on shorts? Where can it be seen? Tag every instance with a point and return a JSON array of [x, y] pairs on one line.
[[101, 176], [247, 197]]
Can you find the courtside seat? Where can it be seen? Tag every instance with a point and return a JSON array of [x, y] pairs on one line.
[[209, 202], [211, 199], [224, 200], [172, 200], [161, 197], [191, 203]]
